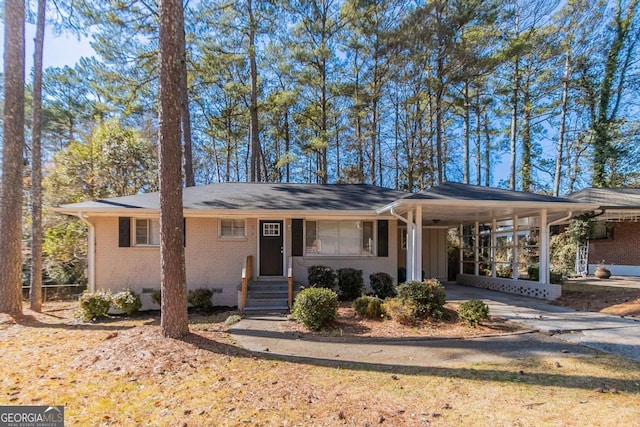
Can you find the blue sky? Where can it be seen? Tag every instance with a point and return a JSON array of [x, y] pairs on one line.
[[59, 50]]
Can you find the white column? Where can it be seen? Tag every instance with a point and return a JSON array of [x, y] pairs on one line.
[[417, 266], [544, 248], [494, 243], [476, 248], [514, 261], [410, 246]]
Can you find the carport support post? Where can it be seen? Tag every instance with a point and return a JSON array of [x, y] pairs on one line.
[[410, 246], [515, 249], [476, 249], [494, 247], [417, 266], [543, 267]]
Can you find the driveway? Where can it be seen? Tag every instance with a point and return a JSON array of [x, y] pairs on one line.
[[605, 332], [551, 332]]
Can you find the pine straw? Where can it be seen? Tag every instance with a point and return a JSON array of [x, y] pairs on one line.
[[122, 372], [349, 326]]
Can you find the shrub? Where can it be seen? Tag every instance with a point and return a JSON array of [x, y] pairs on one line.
[[400, 311], [428, 298], [233, 319], [350, 283], [556, 277], [472, 312], [369, 307], [382, 285], [200, 299], [321, 276], [94, 305], [127, 301], [315, 307], [156, 296]]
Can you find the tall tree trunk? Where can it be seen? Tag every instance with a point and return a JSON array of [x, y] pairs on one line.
[[256, 176], [35, 292], [514, 125], [487, 151], [603, 150], [478, 139], [12, 161], [322, 166], [466, 133], [287, 144], [526, 138], [563, 121], [189, 177], [173, 319], [439, 119]]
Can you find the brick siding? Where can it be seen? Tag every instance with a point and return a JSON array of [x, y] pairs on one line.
[[622, 249]]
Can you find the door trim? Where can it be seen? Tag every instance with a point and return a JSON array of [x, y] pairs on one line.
[[285, 237]]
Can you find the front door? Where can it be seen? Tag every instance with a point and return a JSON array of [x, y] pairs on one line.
[[271, 248]]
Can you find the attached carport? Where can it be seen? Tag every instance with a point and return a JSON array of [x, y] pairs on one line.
[[503, 234]]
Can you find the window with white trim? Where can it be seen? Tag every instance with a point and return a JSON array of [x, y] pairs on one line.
[[232, 228], [340, 237], [147, 232]]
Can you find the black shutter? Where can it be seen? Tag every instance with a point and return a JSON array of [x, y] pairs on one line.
[[184, 231], [297, 237], [124, 232], [383, 238]]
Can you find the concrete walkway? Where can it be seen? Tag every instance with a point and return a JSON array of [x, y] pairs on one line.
[[552, 332]]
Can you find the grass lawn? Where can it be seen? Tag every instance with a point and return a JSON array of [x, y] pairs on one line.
[[122, 372]]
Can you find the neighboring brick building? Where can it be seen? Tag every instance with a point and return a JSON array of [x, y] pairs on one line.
[[615, 240]]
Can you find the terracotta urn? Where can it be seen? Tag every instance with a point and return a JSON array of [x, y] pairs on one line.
[[602, 273]]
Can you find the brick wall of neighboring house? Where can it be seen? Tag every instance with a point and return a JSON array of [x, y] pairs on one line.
[[211, 261], [622, 249]]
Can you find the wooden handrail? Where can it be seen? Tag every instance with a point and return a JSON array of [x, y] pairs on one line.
[[290, 282], [247, 276]]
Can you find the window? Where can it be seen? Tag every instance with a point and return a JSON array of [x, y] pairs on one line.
[[601, 230], [271, 229], [355, 238], [232, 228], [147, 232]]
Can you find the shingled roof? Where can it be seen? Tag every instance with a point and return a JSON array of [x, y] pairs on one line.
[[609, 197], [460, 191], [258, 196]]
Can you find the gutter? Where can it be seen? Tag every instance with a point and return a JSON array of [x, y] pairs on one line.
[[91, 252], [395, 215]]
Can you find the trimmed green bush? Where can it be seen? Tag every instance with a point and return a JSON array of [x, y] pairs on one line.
[[428, 298], [321, 276], [315, 307], [369, 307], [473, 311], [400, 311], [382, 285], [127, 301], [94, 305], [200, 299], [350, 283]]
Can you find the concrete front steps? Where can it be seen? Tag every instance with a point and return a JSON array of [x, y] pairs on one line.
[[268, 295]]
